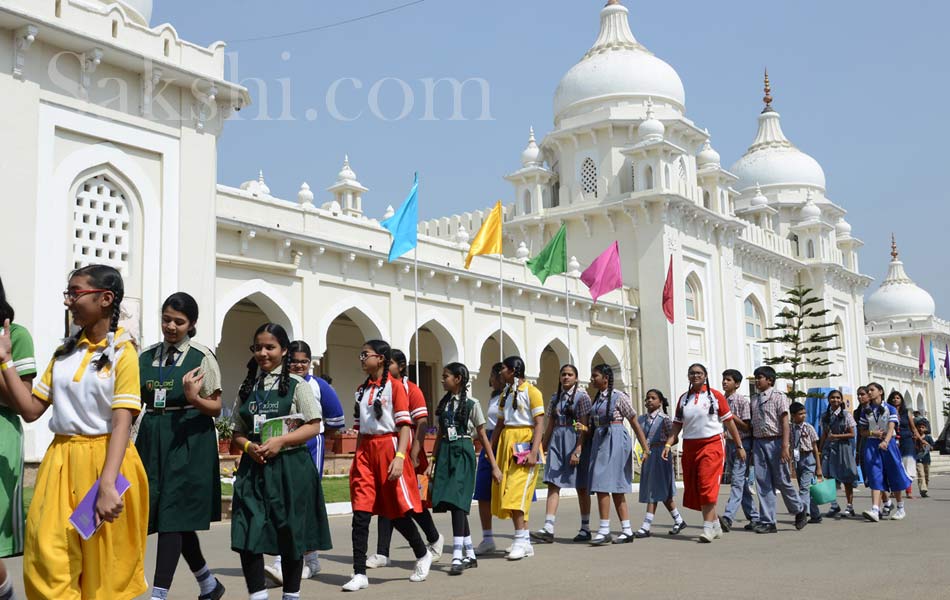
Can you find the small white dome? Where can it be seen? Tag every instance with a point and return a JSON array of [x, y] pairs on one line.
[[522, 253], [898, 297], [390, 211], [707, 156], [305, 196], [142, 8], [616, 68], [256, 187], [651, 129], [346, 173], [843, 229], [759, 199], [810, 211], [531, 156]]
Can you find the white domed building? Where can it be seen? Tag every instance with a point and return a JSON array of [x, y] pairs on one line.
[[134, 185]]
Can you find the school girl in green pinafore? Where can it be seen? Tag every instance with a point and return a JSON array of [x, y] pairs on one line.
[[278, 505], [181, 390]]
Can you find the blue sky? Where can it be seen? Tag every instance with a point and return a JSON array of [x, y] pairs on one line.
[[861, 86]]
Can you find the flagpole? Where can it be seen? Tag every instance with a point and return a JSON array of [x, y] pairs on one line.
[[626, 343], [567, 307], [501, 303], [415, 270]]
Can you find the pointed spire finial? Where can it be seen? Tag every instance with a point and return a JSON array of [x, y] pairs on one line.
[[260, 176], [612, 2], [893, 247], [768, 93], [650, 107], [531, 134]]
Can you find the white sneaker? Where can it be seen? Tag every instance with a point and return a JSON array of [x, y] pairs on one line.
[[520, 550], [310, 570], [872, 515], [708, 535], [435, 548], [356, 583], [422, 568], [275, 573], [508, 549], [377, 561], [717, 528], [898, 515], [485, 547]]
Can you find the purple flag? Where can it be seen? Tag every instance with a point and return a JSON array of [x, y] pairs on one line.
[[921, 360], [604, 275]]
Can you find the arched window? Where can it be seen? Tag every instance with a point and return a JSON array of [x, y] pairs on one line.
[[693, 299], [101, 225], [648, 178], [811, 249], [589, 177], [793, 238], [666, 177], [526, 202], [681, 167], [754, 321], [706, 201]]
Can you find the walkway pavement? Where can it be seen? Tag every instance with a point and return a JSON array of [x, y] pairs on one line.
[[839, 559]]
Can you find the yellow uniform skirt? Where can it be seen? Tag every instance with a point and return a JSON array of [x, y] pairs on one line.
[[57, 563], [517, 481]]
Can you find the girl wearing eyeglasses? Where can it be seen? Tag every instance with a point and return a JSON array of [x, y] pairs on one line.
[[181, 390], [381, 483], [278, 505], [92, 386]]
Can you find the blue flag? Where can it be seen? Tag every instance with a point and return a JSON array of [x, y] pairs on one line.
[[404, 223], [933, 362]]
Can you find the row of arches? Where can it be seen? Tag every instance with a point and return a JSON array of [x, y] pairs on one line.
[[344, 329]]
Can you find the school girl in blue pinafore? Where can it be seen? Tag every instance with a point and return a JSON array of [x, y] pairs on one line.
[[907, 436], [837, 449], [882, 466], [567, 453], [657, 483], [611, 454]]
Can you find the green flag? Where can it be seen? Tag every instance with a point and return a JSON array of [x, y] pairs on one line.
[[553, 258]]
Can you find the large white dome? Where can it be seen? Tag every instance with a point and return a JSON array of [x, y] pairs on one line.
[[898, 297], [773, 160], [142, 7], [616, 68]]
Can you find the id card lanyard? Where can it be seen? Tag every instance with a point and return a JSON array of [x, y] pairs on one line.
[[449, 418], [160, 392], [258, 403]]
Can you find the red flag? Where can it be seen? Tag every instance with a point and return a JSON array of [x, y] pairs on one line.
[[668, 293]]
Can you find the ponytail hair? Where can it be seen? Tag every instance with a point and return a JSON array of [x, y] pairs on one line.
[[107, 278], [399, 357], [608, 373], [664, 402], [516, 364], [186, 305], [459, 370], [283, 383], [382, 348]]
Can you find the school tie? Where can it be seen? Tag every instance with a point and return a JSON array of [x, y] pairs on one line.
[[172, 357]]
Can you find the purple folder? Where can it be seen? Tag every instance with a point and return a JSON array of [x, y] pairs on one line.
[[84, 518]]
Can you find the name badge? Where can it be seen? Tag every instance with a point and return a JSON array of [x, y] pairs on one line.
[[259, 422], [159, 401], [452, 433]]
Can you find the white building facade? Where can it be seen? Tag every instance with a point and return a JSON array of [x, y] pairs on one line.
[[113, 128]]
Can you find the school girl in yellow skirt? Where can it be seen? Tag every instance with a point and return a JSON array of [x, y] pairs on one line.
[[92, 384], [519, 428]]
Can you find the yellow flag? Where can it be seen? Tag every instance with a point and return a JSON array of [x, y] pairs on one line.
[[488, 238]]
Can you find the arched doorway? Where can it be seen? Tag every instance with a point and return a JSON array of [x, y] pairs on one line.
[[488, 356], [606, 356], [426, 369], [340, 361], [237, 332], [553, 356]]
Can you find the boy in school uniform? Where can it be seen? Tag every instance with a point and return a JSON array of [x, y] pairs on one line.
[[805, 455], [741, 490], [923, 457], [771, 433]]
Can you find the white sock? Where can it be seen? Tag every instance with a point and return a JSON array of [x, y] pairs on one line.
[[876, 508], [525, 536], [157, 592], [458, 544], [205, 579], [488, 535], [625, 527], [6, 590], [277, 562], [675, 513], [261, 595], [469, 547], [710, 525], [549, 523], [604, 527], [900, 505], [585, 522], [889, 503], [647, 522], [834, 505]]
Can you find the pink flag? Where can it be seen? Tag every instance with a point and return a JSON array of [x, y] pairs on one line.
[[603, 275], [921, 361]]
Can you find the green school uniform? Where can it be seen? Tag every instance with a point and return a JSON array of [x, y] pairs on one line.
[[177, 444], [454, 478], [278, 506]]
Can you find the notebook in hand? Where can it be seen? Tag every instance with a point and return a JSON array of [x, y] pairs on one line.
[[84, 518]]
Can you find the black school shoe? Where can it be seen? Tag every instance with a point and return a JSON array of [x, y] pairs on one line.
[[641, 534], [216, 594], [470, 563], [623, 538], [801, 519], [457, 567], [725, 523], [582, 536], [542, 536], [750, 526], [815, 520], [678, 527], [765, 528]]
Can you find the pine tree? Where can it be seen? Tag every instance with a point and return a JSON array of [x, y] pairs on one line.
[[799, 326]]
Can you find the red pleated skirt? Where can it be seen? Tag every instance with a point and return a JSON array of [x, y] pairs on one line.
[[702, 469]]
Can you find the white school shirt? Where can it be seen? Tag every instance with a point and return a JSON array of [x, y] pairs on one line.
[[530, 405], [82, 397], [491, 417], [692, 411], [395, 409]]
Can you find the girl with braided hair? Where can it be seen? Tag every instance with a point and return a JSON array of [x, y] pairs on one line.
[[611, 454], [278, 505], [92, 385], [452, 471], [517, 443], [419, 413], [380, 482], [565, 438], [657, 483], [700, 415]]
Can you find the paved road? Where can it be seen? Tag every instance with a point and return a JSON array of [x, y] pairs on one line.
[[841, 558]]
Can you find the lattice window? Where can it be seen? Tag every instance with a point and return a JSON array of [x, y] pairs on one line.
[[101, 225], [633, 176], [589, 177], [682, 169]]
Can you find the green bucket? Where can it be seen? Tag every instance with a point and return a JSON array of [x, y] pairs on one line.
[[824, 492]]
